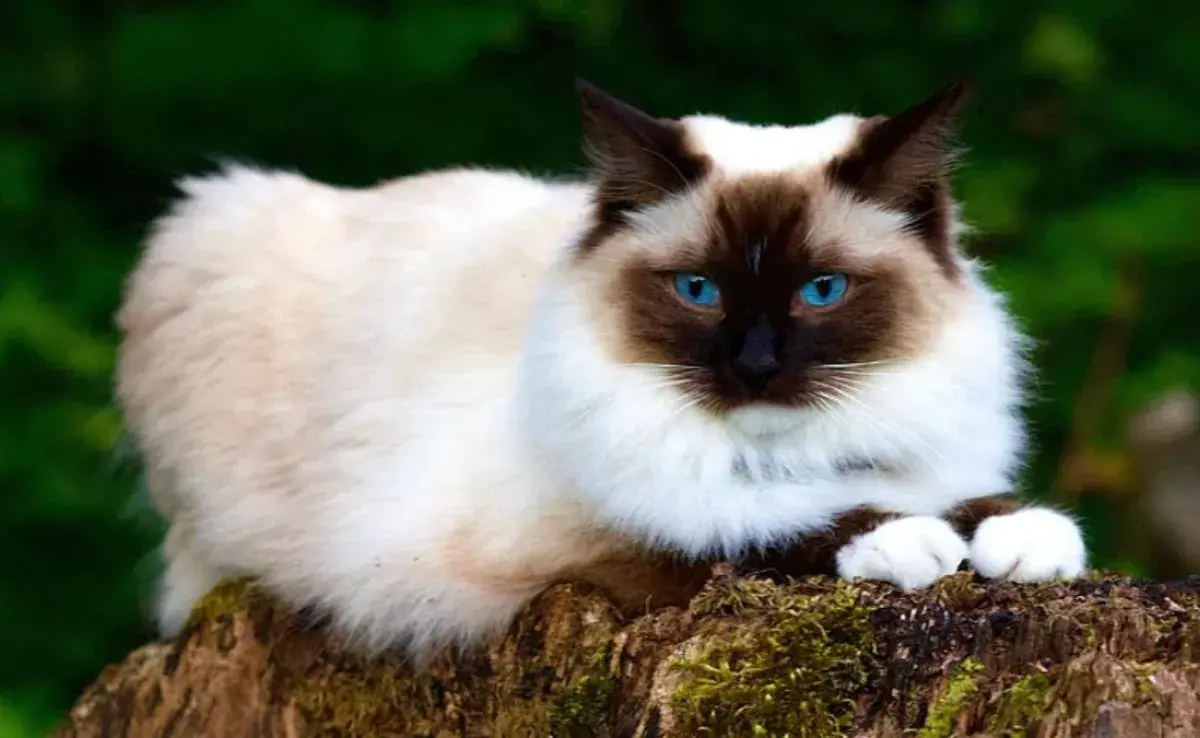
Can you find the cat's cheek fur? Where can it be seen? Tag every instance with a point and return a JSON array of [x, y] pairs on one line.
[[1035, 544], [912, 553]]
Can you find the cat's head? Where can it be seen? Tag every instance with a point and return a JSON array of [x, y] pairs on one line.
[[763, 266]]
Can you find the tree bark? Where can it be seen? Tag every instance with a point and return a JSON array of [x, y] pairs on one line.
[[1101, 657]]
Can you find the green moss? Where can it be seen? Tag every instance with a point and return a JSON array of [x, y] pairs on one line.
[[734, 596], [378, 700], [1147, 692], [371, 699], [1019, 705], [939, 722], [367, 698], [584, 705], [226, 598], [526, 719], [791, 666], [352, 704]]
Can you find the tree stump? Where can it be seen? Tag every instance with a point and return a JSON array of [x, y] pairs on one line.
[[1100, 657]]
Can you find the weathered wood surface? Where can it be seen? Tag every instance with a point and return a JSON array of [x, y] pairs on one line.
[[1103, 658]]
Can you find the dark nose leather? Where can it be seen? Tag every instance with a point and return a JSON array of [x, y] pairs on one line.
[[758, 359]]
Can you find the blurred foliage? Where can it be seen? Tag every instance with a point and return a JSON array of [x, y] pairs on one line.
[[1080, 181]]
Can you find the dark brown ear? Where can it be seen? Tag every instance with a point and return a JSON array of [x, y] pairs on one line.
[[897, 157], [904, 162], [637, 159]]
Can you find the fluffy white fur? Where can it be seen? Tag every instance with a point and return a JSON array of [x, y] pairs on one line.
[[397, 404]]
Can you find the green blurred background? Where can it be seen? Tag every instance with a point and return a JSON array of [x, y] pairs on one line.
[[1081, 180]]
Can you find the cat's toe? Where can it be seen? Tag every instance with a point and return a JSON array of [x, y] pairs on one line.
[[1030, 545], [911, 553]]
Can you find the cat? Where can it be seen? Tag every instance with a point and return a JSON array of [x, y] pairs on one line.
[[415, 405]]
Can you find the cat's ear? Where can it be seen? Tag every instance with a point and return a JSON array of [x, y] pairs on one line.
[[637, 159], [896, 157]]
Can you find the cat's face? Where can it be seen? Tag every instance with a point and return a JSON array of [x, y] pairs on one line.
[[768, 266]]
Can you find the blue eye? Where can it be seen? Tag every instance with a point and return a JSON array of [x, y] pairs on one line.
[[696, 288], [824, 290]]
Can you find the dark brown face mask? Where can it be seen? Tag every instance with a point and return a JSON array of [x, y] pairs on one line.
[[761, 314]]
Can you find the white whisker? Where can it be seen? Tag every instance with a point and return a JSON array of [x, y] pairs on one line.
[[837, 408], [886, 424], [862, 373], [857, 364]]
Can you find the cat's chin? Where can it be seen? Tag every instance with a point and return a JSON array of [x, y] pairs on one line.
[[763, 419]]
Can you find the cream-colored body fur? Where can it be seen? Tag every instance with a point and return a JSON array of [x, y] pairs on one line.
[[396, 404], [323, 380]]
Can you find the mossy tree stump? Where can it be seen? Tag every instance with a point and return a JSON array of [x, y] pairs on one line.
[[1102, 657]]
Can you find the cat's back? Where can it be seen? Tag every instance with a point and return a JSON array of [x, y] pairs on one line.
[[270, 226], [270, 314]]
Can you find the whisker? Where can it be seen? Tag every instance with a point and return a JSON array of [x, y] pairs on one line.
[[670, 367], [671, 382], [865, 413], [838, 410], [887, 424], [860, 372], [692, 401], [856, 364], [864, 365]]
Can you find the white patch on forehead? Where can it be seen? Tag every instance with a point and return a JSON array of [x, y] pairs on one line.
[[742, 148]]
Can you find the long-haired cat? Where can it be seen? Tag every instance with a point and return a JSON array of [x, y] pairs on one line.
[[415, 405]]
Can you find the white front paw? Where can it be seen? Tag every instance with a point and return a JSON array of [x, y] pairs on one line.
[[1031, 545], [911, 553]]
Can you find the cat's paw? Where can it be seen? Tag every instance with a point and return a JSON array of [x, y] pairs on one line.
[[911, 553], [1031, 545]]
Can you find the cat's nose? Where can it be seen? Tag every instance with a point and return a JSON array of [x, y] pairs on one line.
[[756, 374], [758, 359]]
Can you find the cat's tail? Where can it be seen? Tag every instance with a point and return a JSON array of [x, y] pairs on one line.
[[188, 576], [174, 576]]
